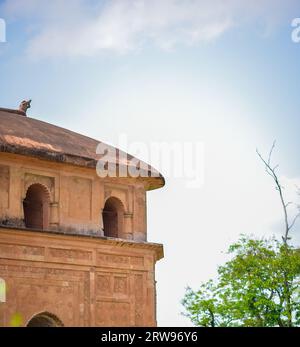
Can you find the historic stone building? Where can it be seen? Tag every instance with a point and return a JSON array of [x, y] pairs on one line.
[[73, 245]]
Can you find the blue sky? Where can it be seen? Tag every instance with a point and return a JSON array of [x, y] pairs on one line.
[[223, 75]]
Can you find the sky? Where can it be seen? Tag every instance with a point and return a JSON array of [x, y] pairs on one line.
[[222, 74]]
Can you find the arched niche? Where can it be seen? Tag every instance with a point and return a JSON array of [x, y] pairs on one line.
[[36, 207], [113, 217], [44, 319]]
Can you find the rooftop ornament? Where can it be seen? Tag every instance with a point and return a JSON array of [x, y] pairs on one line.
[[24, 106]]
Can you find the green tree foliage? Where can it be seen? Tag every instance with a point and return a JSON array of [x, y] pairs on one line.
[[259, 286]]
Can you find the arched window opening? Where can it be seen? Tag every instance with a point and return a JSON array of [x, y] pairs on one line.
[[36, 207], [44, 319], [2, 290], [113, 217]]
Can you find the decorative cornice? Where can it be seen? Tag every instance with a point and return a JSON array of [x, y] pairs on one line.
[[156, 247]]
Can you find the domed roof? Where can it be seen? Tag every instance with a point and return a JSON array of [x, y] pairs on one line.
[[20, 134]]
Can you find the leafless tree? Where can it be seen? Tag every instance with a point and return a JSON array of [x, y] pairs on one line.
[[271, 170]]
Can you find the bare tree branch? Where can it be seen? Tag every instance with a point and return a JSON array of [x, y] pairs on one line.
[[271, 151], [271, 172], [294, 220]]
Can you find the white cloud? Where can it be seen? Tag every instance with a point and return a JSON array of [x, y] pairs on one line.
[[80, 28]]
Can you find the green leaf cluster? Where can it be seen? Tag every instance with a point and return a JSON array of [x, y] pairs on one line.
[[258, 287]]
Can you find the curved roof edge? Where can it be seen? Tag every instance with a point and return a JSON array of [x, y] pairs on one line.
[[31, 137]]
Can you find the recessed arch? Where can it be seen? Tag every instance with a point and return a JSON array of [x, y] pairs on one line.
[[36, 207], [44, 319], [113, 217]]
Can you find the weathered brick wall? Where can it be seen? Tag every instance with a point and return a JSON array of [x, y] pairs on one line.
[[76, 196], [83, 281]]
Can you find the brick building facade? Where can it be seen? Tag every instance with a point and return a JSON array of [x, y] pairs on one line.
[[73, 246]]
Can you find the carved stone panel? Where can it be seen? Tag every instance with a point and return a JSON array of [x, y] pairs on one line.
[[80, 198], [104, 285], [4, 187], [70, 255], [14, 251], [110, 313], [113, 285], [139, 300], [121, 285], [112, 259], [104, 259]]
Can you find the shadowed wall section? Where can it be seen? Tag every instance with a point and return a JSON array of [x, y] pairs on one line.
[[113, 217], [36, 207], [44, 319]]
